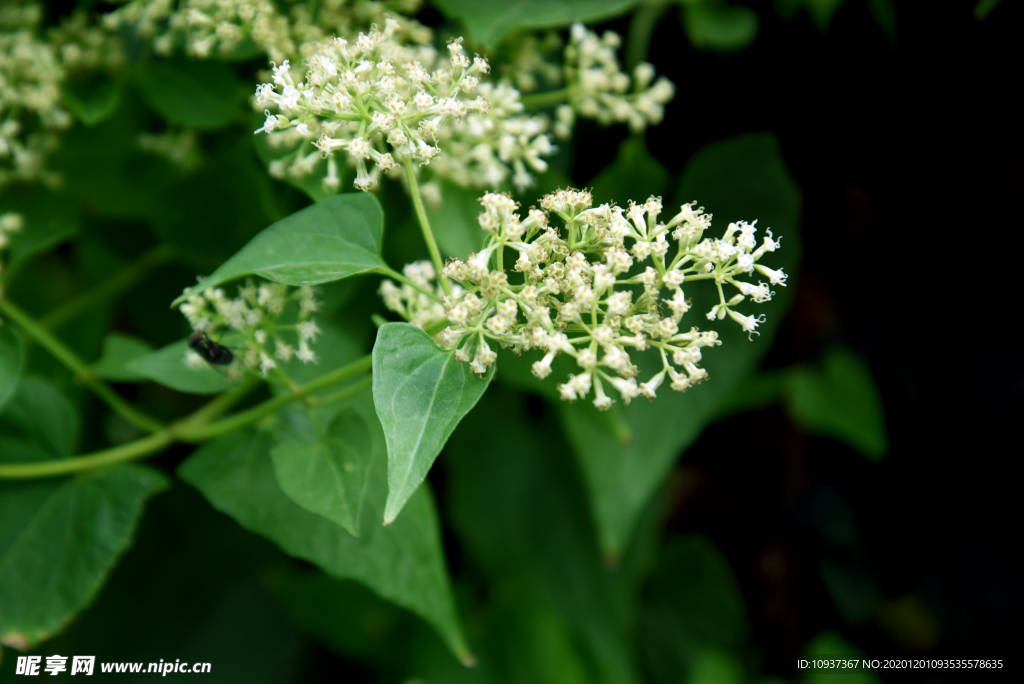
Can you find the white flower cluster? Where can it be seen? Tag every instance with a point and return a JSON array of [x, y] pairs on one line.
[[604, 286], [30, 98], [486, 148], [226, 28], [599, 89], [378, 98], [85, 47], [9, 223], [253, 317], [410, 300], [365, 98]]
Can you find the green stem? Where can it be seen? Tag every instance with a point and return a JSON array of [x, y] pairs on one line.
[[349, 391], [288, 382], [428, 235], [126, 452], [109, 288], [193, 428], [544, 100], [218, 405], [641, 27], [201, 433], [70, 360], [392, 273]]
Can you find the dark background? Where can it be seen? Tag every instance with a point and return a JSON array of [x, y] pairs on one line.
[[908, 155]]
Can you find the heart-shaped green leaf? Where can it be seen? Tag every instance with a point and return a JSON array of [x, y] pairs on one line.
[[720, 27], [421, 393], [331, 240], [403, 562], [841, 401], [328, 477]]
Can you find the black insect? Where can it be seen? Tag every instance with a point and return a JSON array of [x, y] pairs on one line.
[[210, 350]]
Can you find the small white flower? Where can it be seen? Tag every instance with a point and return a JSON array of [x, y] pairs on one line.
[[305, 354], [542, 368]]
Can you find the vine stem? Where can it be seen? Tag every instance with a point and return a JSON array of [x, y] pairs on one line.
[[126, 452], [203, 432], [421, 216], [81, 371], [196, 427]]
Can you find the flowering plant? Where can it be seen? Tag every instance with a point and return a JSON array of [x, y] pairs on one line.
[[337, 378]]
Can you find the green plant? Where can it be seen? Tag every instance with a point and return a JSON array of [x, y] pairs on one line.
[[311, 439]]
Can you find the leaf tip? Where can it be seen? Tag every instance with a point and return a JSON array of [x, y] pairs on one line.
[[467, 659]]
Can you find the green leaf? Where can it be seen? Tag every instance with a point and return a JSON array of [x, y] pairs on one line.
[[840, 401], [403, 562], [92, 98], [488, 22], [720, 27], [328, 241], [202, 94], [344, 615], [167, 367], [328, 477], [421, 393], [118, 350], [738, 178], [59, 537], [37, 423], [822, 11], [517, 503], [634, 175], [715, 667], [49, 220], [58, 541], [693, 617], [884, 14], [104, 168], [694, 581], [984, 8], [758, 390], [191, 585], [10, 362]]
